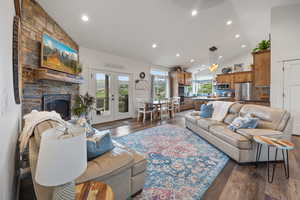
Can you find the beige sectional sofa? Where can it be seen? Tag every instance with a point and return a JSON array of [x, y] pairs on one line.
[[122, 168], [239, 145]]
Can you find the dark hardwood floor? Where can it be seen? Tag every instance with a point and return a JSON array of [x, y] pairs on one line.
[[235, 182]]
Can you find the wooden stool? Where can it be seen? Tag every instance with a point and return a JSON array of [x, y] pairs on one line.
[[94, 190]]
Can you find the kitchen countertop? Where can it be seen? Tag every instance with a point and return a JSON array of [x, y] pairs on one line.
[[229, 98], [212, 98]]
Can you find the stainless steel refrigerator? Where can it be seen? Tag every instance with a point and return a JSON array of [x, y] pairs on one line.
[[243, 91]]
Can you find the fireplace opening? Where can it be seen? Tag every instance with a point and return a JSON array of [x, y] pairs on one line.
[[61, 103]]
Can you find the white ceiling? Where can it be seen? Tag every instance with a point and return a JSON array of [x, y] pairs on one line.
[[130, 27]]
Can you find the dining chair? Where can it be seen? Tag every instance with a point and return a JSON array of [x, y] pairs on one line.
[[145, 108], [164, 110], [176, 104]]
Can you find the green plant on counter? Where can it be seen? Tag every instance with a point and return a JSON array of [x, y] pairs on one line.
[[263, 45]]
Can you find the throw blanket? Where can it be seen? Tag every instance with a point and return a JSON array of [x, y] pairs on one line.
[[31, 120], [221, 109]]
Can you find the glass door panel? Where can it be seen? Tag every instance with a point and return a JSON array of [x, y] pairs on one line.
[[102, 94], [123, 93]]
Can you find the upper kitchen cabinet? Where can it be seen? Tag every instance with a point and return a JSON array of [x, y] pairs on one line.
[[243, 77], [182, 78], [261, 69], [187, 78]]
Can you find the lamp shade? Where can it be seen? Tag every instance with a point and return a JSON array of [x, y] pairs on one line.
[[62, 158]]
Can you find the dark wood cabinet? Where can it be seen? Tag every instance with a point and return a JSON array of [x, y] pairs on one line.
[[262, 68]]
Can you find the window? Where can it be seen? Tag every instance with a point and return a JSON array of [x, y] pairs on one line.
[[160, 84], [202, 87]]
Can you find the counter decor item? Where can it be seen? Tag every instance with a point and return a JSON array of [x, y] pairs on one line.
[[226, 70], [62, 158]]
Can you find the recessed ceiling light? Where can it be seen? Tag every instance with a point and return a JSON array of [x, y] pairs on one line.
[[237, 36], [154, 46], [192, 60], [220, 57], [229, 22], [194, 12], [177, 55], [244, 46], [84, 18]]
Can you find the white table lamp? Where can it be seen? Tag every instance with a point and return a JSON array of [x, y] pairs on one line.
[[62, 158]]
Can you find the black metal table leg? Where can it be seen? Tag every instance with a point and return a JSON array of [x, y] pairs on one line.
[[258, 152], [270, 179], [286, 163]]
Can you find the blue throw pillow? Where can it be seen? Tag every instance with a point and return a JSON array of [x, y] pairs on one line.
[[243, 122], [206, 111], [98, 144]]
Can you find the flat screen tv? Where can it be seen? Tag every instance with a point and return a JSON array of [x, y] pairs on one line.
[[58, 56]]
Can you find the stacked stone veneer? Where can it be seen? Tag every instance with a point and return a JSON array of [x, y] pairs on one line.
[[35, 21]]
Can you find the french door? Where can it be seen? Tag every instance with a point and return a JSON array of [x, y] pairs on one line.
[[291, 93], [113, 94]]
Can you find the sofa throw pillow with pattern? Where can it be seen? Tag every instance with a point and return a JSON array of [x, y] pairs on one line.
[[98, 144], [206, 111], [243, 122]]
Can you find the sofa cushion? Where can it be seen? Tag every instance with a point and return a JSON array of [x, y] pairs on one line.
[[191, 118], [249, 133], [229, 118], [269, 118], [109, 164], [231, 137], [206, 110], [205, 123], [235, 108]]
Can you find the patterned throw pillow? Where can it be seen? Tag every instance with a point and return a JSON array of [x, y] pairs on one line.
[[243, 122], [206, 111], [98, 144]]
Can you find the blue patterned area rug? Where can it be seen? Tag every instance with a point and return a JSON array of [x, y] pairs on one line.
[[181, 165]]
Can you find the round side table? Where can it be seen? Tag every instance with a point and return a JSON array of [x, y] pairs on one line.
[[278, 144], [94, 190]]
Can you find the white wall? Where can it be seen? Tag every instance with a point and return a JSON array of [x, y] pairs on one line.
[[246, 59], [92, 59], [9, 111], [285, 33]]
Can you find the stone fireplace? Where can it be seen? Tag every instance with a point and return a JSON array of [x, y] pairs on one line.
[[61, 103]]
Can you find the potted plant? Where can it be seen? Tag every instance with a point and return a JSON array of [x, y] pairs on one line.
[[83, 105], [262, 46]]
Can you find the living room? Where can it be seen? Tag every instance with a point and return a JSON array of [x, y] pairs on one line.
[[149, 99]]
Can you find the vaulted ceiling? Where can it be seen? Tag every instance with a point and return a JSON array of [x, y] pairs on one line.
[[130, 27]]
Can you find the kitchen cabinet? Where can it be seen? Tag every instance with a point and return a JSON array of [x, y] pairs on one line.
[[237, 77], [226, 78], [243, 77], [261, 69], [187, 78]]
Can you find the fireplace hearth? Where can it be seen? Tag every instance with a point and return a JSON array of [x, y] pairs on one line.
[[61, 103]]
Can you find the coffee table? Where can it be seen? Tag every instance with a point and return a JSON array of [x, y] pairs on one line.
[[278, 144], [94, 190]]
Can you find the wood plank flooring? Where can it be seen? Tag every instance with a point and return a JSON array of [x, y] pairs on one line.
[[236, 182]]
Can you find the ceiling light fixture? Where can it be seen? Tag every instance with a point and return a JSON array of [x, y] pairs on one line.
[[244, 46], [192, 60], [84, 18], [194, 13], [177, 55], [237, 36], [229, 22], [154, 46], [220, 57]]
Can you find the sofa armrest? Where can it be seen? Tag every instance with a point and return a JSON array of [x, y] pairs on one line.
[[195, 113]]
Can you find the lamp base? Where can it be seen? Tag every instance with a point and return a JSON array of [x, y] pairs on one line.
[[64, 192]]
